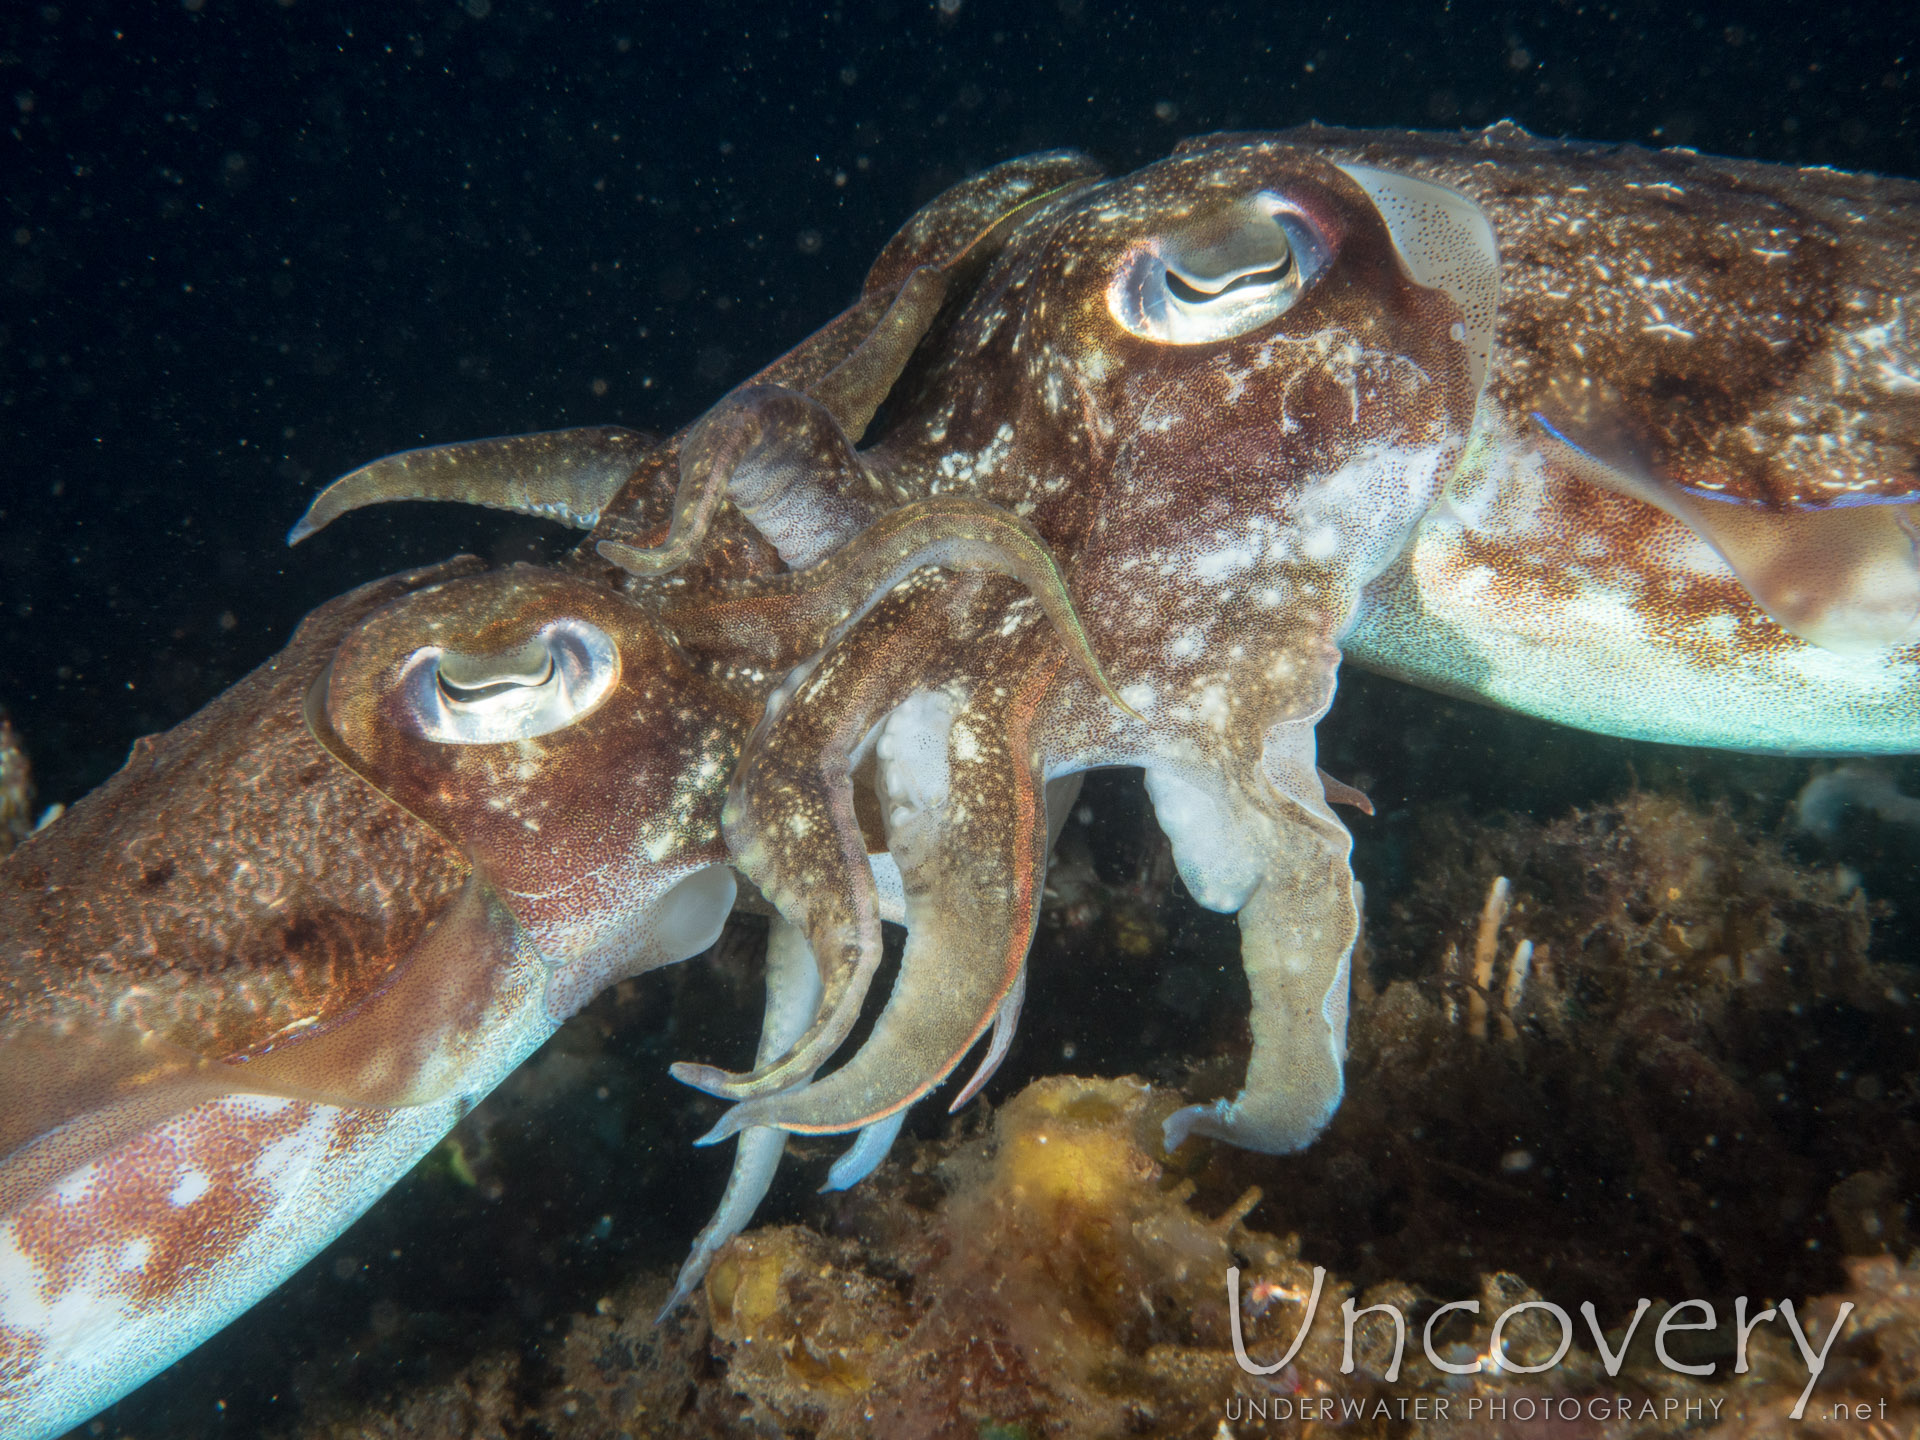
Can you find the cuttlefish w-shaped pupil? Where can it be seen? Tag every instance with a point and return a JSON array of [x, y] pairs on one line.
[[1198, 289], [1250, 249], [470, 679]]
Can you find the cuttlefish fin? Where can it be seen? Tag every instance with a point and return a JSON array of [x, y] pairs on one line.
[[782, 618], [76, 1093], [563, 475], [973, 857], [409, 1043], [1845, 577]]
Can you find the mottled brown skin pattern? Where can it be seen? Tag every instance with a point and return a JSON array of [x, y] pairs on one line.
[[1740, 329], [232, 886], [1706, 313], [192, 1114]]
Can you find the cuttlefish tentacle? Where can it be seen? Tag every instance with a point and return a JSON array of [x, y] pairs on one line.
[[1005, 1022], [777, 620], [968, 824], [793, 998], [783, 458], [793, 995], [563, 475]]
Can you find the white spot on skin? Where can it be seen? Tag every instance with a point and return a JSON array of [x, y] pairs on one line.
[[1212, 708], [134, 1254], [1183, 646], [962, 744], [1720, 627], [1228, 560], [192, 1185], [1140, 696]]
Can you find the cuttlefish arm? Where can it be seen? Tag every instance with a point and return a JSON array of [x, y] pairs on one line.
[[793, 997], [581, 476], [1298, 924], [791, 820], [563, 475], [743, 451], [792, 827], [967, 822], [778, 620]]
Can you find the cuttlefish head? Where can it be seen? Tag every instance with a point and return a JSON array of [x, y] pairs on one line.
[[1212, 340], [1271, 364], [546, 727]]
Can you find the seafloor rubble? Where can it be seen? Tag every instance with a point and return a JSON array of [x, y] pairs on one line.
[[1657, 1044]]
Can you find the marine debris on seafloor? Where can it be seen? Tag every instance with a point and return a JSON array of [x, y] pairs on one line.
[[1640, 1051]]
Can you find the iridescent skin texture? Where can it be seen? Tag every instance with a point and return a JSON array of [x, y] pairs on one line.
[[1093, 473]]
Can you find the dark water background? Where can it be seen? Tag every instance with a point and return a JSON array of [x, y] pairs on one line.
[[249, 245]]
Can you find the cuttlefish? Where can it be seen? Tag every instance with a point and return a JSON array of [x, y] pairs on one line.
[[1691, 507], [1223, 391], [1092, 473], [255, 976], [1621, 438]]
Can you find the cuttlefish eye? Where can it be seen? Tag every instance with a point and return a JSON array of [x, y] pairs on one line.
[[552, 681], [1218, 276]]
